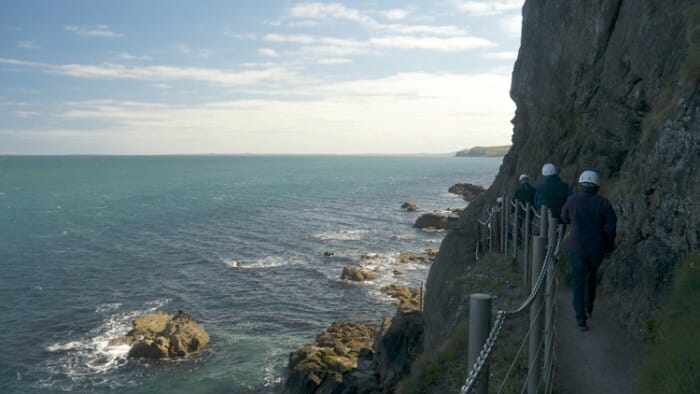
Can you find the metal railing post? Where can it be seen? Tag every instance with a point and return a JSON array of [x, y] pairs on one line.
[[492, 232], [549, 300], [516, 215], [506, 215], [543, 221], [479, 327], [534, 356], [526, 244], [420, 297]]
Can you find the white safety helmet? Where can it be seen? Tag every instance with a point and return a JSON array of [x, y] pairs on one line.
[[523, 177], [549, 169], [589, 177]]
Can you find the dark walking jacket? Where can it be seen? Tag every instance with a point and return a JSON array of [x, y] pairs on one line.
[[525, 194], [593, 222], [552, 192]]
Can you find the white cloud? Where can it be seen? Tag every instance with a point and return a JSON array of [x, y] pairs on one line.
[[445, 44], [28, 45], [331, 46], [129, 56], [408, 112], [333, 61], [93, 31], [26, 114], [239, 36], [396, 14], [512, 25], [329, 11], [268, 52], [303, 23], [423, 29], [186, 50], [486, 8], [505, 55], [163, 73]]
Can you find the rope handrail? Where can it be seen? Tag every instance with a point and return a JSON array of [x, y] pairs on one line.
[[501, 315]]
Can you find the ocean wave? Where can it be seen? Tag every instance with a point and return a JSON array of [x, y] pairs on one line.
[[341, 235], [266, 262], [90, 354], [107, 307]]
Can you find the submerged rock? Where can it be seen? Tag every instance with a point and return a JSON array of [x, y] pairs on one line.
[[410, 207], [162, 335], [357, 275]]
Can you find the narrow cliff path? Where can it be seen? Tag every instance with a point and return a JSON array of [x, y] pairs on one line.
[[600, 360]]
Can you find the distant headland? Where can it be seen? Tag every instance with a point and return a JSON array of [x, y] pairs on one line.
[[488, 151]]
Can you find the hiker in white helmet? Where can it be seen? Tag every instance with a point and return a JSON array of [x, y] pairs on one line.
[[593, 227], [551, 191]]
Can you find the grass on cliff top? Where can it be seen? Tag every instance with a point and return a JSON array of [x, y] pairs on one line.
[[445, 369], [672, 364], [489, 151]]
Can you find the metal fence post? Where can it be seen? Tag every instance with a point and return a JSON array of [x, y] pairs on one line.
[[549, 300], [516, 230], [534, 357], [506, 215], [526, 244], [479, 326], [543, 221]]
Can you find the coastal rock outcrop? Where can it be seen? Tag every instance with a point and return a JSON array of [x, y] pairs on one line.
[[410, 257], [435, 220], [163, 335], [357, 275], [468, 191], [407, 298], [398, 342], [410, 207], [337, 361]]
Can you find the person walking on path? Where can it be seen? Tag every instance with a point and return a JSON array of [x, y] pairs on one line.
[[593, 229], [551, 191], [525, 193]]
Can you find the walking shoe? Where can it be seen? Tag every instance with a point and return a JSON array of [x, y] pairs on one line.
[[582, 326]]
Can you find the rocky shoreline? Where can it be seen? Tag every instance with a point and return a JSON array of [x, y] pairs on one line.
[[366, 357]]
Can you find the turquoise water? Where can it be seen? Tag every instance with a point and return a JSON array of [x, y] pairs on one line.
[[88, 243]]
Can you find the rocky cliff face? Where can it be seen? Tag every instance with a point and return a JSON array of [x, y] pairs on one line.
[[609, 85]]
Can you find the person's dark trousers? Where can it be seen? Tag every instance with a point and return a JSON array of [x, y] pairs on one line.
[[584, 267]]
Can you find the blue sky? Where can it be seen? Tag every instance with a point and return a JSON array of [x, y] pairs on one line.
[[167, 77]]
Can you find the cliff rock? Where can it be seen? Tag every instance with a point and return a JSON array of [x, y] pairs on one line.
[[609, 85]]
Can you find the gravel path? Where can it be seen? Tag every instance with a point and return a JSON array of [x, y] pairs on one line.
[[600, 360]]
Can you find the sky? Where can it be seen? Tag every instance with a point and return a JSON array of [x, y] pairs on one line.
[[262, 77]]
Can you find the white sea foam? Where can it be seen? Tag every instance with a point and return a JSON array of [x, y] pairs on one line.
[[341, 235], [267, 262], [232, 263], [107, 307], [89, 354]]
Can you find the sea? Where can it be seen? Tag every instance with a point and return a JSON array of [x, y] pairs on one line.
[[88, 243]]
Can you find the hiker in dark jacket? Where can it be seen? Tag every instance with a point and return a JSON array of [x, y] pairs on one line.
[[593, 227], [525, 193], [551, 191]]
